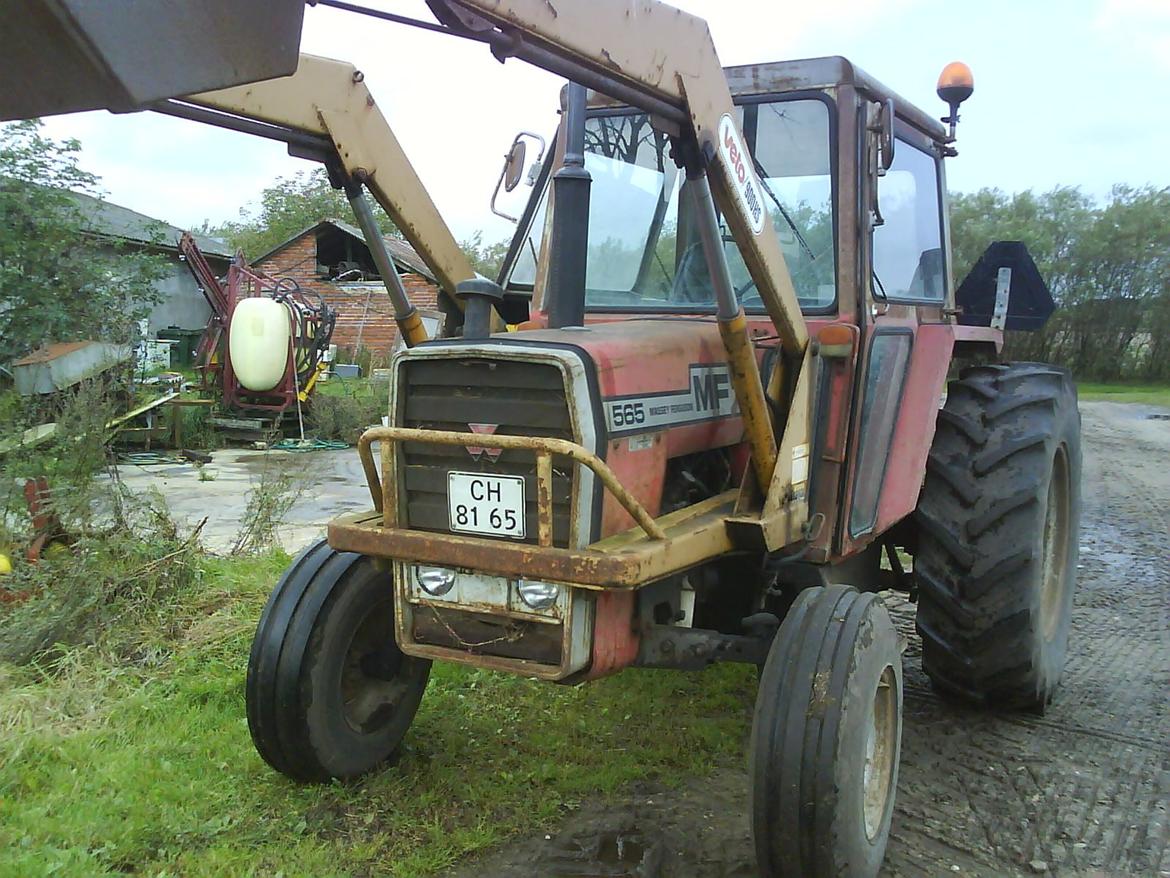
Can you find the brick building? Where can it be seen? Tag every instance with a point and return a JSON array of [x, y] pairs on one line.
[[331, 258]]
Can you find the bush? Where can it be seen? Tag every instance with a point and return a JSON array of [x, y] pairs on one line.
[[348, 412]]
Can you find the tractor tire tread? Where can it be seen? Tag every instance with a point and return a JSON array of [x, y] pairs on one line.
[[979, 521]]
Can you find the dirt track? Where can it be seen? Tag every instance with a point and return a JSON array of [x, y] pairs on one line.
[[1083, 790]]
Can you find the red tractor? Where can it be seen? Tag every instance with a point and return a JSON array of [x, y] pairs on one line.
[[716, 433]]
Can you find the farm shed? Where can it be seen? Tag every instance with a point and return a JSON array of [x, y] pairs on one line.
[[181, 303], [330, 257]]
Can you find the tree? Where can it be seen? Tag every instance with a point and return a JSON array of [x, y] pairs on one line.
[[485, 258], [287, 207], [1107, 267], [58, 281]]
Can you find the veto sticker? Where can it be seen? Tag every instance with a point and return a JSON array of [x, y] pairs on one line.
[[743, 175], [800, 464]]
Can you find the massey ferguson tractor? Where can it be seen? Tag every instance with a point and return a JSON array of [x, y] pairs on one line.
[[716, 432]]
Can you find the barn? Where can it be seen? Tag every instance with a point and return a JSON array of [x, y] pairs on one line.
[[330, 257], [180, 302]]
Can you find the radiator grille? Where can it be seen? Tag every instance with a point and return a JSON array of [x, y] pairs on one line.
[[522, 398]]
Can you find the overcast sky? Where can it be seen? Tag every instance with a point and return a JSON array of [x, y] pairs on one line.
[[1066, 92]]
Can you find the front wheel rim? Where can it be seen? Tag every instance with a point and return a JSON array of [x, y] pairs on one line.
[[881, 747], [1054, 550], [372, 675]]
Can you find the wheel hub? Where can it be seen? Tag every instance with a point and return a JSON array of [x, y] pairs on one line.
[[370, 687], [1054, 549], [880, 746]]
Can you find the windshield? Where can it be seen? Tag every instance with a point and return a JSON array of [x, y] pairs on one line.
[[644, 252]]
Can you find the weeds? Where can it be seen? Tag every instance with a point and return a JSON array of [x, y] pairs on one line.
[[197, 429], [128, 571], [113, 562], [68, 462], [270, 499]]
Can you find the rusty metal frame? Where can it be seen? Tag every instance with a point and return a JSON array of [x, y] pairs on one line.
[[653, 549], [628, 560], [385, 498]]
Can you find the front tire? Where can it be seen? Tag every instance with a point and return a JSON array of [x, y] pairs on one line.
[[826, 738], [329, 693], [998, 527]]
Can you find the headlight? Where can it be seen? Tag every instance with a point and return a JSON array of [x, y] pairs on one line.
[[538, 595], [435, 581]]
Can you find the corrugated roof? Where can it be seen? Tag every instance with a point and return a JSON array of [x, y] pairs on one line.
[[115, 221], [51, 352], [401, 252]]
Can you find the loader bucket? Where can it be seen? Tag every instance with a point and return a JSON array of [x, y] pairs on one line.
[[62, 56]]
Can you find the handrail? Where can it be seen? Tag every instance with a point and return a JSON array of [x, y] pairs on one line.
[[542, 447]]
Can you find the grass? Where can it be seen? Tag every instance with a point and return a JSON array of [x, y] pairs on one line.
[[1150, 394], [112, 763]]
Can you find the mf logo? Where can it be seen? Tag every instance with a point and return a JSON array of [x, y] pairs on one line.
[[711, 390], [477, 451]]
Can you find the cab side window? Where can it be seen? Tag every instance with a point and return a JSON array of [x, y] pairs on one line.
[[907, 248]]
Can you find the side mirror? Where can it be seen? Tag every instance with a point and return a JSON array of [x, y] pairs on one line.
[[513, 170], [514, 165], [956, 83]]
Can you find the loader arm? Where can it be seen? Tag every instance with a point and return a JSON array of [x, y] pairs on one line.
[[325, 111], [664, 61], [667, 56]]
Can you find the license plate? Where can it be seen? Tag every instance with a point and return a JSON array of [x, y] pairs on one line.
[[482, 504]]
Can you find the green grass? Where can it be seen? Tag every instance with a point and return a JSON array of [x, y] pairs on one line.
[[143, 763], [1150, 394]]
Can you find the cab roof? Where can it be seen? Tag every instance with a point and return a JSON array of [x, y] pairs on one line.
[[809, 74]]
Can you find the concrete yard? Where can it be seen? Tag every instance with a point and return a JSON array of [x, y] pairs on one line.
[[331, 482]]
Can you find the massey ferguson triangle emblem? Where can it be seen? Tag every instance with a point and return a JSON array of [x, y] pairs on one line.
[[477, 451]]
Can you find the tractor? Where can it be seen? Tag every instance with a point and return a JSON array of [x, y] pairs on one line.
[[714, 430], [715, 433]]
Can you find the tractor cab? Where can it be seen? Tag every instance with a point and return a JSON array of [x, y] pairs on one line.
[[852, 177], [804, 124]]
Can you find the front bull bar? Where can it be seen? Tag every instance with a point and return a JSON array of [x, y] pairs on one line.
[[654, 548]]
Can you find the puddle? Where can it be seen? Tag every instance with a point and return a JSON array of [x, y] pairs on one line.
[[608, 854]]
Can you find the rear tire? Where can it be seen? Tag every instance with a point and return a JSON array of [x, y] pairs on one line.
[[329, 694], [998, 527], [826, 738]]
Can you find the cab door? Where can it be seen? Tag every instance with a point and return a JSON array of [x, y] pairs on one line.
[[906, 338]]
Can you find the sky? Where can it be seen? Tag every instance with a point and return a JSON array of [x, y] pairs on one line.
[[1067, 92]]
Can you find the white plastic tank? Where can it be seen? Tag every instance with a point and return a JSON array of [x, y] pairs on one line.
[[258, 343]]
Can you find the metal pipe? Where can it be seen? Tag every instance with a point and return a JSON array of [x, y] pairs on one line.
[[544, 491], [707, 221], [309, 145], [741, 357], [569, 238], [405, 314]]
